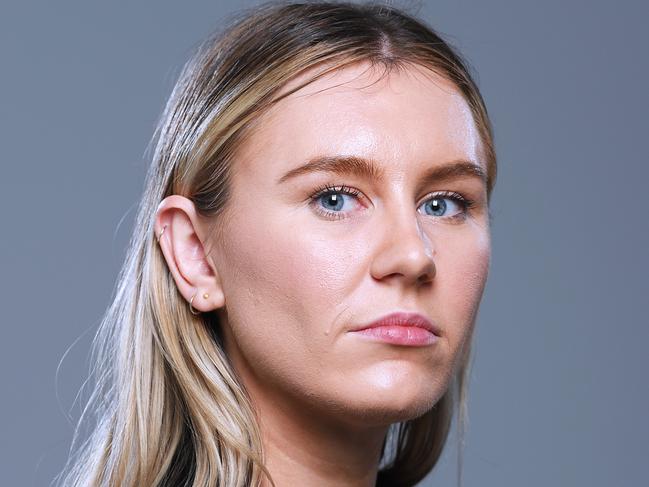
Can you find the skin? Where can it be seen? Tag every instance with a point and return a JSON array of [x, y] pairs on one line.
[[289, 283]]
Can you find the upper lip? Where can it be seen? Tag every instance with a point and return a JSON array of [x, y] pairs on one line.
[[402, 318]]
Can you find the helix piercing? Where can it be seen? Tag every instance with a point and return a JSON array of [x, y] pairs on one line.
[[163, 231]]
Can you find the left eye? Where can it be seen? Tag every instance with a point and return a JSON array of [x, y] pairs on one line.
[[439, 205]]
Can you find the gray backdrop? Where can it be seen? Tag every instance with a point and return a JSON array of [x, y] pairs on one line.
[[559, 394]]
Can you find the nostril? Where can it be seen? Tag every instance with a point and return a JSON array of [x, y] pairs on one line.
[[425, 279]]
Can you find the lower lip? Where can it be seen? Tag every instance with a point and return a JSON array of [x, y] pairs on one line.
[[400, 335]]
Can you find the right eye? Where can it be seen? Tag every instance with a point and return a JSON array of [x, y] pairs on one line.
[[330, 200]]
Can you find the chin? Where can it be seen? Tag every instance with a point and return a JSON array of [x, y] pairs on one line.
[[387, 410], [381, 412], [383, 401]]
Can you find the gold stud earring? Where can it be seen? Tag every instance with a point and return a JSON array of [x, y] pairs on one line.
[[205, 296]]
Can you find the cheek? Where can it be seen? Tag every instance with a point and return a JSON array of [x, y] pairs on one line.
[[294, 271], [280, 283], [329, 268], [263, 263], [463, 267]]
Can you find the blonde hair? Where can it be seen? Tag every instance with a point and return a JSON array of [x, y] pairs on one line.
[[167, 407]]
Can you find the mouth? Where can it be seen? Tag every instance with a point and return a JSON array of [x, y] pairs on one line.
[[400, 328]]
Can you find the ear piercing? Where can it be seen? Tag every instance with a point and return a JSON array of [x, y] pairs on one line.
[[163, 231], [191, 302]]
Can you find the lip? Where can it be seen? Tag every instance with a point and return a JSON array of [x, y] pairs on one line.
[[401, 328]]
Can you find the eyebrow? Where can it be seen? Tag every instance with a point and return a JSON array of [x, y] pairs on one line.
[[367, 168]]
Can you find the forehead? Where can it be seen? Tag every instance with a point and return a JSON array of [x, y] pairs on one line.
[[403, 115]]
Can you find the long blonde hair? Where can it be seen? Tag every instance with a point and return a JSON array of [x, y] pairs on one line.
[[167, 408]]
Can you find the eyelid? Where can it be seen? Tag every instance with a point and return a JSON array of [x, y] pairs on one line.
[[339, 188], [444, 193]]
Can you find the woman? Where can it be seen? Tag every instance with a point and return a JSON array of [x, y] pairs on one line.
[[301, 288]]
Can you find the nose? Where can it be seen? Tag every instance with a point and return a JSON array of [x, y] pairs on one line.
[[405, 251]]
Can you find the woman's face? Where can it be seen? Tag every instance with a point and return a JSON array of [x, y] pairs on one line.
[[300, 271]]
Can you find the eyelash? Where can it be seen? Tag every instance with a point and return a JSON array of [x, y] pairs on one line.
[[465, 203]]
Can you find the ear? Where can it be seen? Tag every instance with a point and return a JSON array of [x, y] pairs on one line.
[[182, 244]]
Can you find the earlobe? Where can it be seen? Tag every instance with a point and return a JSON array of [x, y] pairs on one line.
[[181, 238], [191, 302]]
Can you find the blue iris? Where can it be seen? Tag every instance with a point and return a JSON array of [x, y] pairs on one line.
[[336, 199], [438, 205]]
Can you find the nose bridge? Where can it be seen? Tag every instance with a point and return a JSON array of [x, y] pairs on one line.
[[404, 248]]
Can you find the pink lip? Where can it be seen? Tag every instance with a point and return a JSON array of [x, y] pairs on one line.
[[401, 328]]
